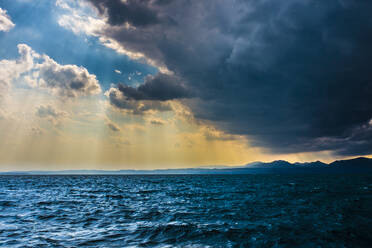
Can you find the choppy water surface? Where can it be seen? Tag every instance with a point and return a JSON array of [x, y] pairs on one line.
[[186, 211]]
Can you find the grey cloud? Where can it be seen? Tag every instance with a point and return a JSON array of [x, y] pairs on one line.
[[67, 80], [213, 135], [120, 101], [157, 122], [137, 13], [358, 142], [36, 131], [48, 111], [161, 87], [113, 127], [51, 114]]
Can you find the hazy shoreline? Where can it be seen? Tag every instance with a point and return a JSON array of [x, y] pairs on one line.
[[354, 166]]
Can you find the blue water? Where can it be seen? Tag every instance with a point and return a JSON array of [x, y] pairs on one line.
[[186, 211]]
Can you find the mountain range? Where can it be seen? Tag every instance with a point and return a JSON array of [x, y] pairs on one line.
[[353, 166]]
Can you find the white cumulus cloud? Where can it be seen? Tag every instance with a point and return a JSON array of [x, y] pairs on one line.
[[41, 71], [5, 22]]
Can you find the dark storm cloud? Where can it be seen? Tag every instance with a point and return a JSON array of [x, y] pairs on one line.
[[137, 13], [358, 142], [120, 101], [161, 87], [293, 75], [152, 95]]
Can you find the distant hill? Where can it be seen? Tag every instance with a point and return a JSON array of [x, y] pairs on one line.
[[351, 166], [357, 165]]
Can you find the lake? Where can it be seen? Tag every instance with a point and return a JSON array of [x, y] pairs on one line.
[[186, 211]]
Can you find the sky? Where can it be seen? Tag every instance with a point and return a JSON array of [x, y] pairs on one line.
[[145, 84]]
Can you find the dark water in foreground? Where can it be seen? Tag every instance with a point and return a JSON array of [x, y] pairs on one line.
[[186, 211]]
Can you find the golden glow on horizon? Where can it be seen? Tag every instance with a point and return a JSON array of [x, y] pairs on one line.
[[81, 138]]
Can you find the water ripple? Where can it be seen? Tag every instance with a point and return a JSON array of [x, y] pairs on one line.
[[186, 211]]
